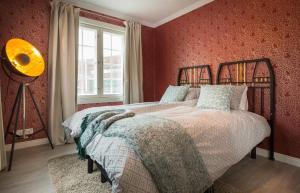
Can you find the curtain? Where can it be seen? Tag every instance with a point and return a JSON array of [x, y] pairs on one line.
[[62, 66], [133, 70], [2, 142]]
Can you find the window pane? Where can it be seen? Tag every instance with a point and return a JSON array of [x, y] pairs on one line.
[[106, 56], [113, 63], [117, 86], [80, 35], [106, 40], [79, 52], [89, 53], [106, 72], [117, 42], [87, 61], [116, 74], [89, 37], [106, 87], [116, 57]]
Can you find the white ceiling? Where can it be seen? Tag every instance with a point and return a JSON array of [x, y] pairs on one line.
[[149, 12]]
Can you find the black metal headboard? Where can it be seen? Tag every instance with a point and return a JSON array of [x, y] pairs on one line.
[[258, 75], [195, 76]]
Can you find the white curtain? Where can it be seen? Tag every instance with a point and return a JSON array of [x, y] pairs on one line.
[[62, 66], [2, 142], [133, 71]]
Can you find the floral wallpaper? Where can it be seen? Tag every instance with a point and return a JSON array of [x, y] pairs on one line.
[[230, 30]]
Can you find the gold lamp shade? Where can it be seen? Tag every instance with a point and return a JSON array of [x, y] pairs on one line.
[[24, 58]]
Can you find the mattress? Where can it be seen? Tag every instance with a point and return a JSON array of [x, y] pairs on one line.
[[222, 138]]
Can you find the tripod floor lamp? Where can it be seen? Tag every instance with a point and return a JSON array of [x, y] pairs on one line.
[[23, 64]]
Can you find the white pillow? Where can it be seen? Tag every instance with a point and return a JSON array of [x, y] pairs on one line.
[[215, 97], [193, 93], [237, 95], [244, 100], [174, 94]]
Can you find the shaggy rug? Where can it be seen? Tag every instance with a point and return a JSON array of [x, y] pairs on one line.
[[69, 175]]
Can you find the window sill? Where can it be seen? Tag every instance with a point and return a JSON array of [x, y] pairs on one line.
[[104, 99]]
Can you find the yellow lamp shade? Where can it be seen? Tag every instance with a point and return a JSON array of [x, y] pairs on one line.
[[24, 58]]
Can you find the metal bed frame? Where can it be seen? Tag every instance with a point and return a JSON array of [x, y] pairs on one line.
[[259, 76], [194, 76]]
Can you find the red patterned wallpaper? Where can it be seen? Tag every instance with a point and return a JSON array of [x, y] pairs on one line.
[[229, 30], [29, 19]]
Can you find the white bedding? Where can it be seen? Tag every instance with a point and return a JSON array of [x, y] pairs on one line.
[[73, 123], [223, 139]]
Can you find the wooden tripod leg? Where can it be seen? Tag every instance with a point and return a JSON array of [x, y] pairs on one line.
[[14, 133], [40, 116]]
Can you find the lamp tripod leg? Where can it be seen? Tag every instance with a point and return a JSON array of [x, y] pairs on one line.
[[15, 131], [40, 116], [13, 111]]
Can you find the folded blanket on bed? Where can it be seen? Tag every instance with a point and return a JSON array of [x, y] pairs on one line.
[[166, 150], [95, 123]]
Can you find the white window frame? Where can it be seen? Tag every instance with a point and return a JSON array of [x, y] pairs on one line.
[[100, 98]]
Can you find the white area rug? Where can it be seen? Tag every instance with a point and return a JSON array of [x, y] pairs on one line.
[[69, 175]]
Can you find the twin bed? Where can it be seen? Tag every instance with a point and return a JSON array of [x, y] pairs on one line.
[[222, 138]]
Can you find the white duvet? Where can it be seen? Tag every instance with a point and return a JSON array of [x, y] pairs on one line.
[[223, 139], [73, 123]]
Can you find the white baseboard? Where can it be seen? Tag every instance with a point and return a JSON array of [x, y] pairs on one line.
[[279, 157], [26, 144]]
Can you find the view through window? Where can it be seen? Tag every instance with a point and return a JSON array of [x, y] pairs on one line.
[[100, 63]]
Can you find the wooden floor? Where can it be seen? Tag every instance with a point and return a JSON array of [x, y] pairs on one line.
[[30, 173]]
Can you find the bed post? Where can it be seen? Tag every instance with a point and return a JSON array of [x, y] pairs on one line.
[[271, 144], [210, 189], [253, 153], [90, 165], [272, 108]]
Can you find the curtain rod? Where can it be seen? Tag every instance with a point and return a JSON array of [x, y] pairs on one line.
[[100, 14], [90, 11]]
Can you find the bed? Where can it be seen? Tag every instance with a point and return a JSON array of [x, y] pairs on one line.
[[223, 138]]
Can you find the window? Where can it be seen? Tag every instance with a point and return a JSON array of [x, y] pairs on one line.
[[100, 62]]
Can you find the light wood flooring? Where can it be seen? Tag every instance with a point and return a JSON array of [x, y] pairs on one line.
[[30, 173]]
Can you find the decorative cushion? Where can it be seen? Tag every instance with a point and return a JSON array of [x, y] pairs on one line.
[[244, 100], [215, 97], [239, 93], [193, 93], [174, 94]]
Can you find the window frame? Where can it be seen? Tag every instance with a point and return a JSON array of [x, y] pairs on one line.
[[101, 27]]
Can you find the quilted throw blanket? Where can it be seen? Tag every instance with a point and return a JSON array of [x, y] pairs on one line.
[[97, 122], [166, 150]]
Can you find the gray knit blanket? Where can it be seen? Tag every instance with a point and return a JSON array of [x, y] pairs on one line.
[[166, 150], [95, 123]]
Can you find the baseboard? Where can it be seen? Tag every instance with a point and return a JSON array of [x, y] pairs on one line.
[[26, 144], [279, 157]]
